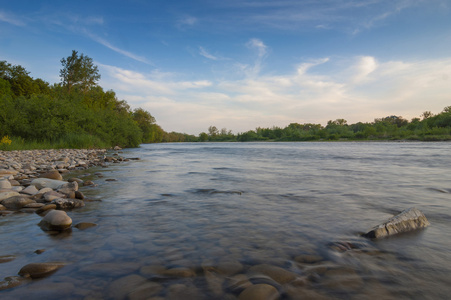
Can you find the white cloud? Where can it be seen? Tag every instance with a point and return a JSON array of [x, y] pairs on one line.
[[368, 88]]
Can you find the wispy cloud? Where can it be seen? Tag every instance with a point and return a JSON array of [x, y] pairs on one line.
[[11, 19], [350, 16], [186, 21], [206, 54], [116, 49], [261, 49]]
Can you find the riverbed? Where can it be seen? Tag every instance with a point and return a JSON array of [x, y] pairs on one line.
[[208, 220]]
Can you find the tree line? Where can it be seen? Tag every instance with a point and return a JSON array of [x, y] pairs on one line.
[[428, 127], [78, 113], [74, 113]]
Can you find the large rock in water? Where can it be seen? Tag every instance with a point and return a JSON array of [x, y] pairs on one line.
[[408, 220], [56, 220]]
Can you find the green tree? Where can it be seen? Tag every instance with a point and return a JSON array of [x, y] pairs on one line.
[[145, 122], [79, 71], [203, 137]]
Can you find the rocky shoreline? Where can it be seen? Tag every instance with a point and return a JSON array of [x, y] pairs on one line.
[[31, 181]]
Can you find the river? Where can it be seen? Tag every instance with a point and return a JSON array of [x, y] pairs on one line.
[[206, 220]]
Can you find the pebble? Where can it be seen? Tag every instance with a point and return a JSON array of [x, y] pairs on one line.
[[259, 292], [278, 274]]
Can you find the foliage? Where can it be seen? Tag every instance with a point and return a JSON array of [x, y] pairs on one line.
[[76, 113], [430, 128], [79, 71]]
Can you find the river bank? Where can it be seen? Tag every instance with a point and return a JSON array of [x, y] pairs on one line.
[[31, 181]]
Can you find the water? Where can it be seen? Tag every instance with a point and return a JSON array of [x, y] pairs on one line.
[[212, 211]]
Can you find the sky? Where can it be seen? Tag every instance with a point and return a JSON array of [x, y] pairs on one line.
[[243, 64]]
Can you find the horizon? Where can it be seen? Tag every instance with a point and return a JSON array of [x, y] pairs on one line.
[[246, 64]]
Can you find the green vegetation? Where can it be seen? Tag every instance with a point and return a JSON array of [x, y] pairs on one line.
[[76, 113], [430, 128]]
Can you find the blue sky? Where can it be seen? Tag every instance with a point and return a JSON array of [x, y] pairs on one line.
[[244, 64]]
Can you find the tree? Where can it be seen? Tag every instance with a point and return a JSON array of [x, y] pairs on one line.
[[213, 131], [79, 71], [145, 122], [427, 114], [203, 137]]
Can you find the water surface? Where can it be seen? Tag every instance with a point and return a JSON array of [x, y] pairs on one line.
[[195, 207]]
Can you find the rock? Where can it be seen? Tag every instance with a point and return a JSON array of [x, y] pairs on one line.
[[34, 205], [308, 258], [182, 291], [5, 184], [79, 195], [259, 292], [228, 268], [278, 274], [2, 207], [145, 291], [117, 148], [7, 172], [14, 182], [46, 208], [88, 183], [6, 195], [30, 190], [17, 189], [68, 188], [56, 220], [64, 203], [17, 202], [41, 183], [78, 180], [120, 288], [84, 225], [45, 190], [179, 272], [12, 281], [52, 174], [7, 258], [52, 195], [238, 283], [408, 220], [110, 269], [39, 270], [214, 282]]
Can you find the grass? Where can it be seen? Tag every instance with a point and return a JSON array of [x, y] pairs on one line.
[[69, 141]]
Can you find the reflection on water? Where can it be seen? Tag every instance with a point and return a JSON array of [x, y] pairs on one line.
[[206, 221]]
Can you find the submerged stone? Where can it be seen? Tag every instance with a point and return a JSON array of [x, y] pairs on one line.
[[408, 220], [259, 292], [39, 270]]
